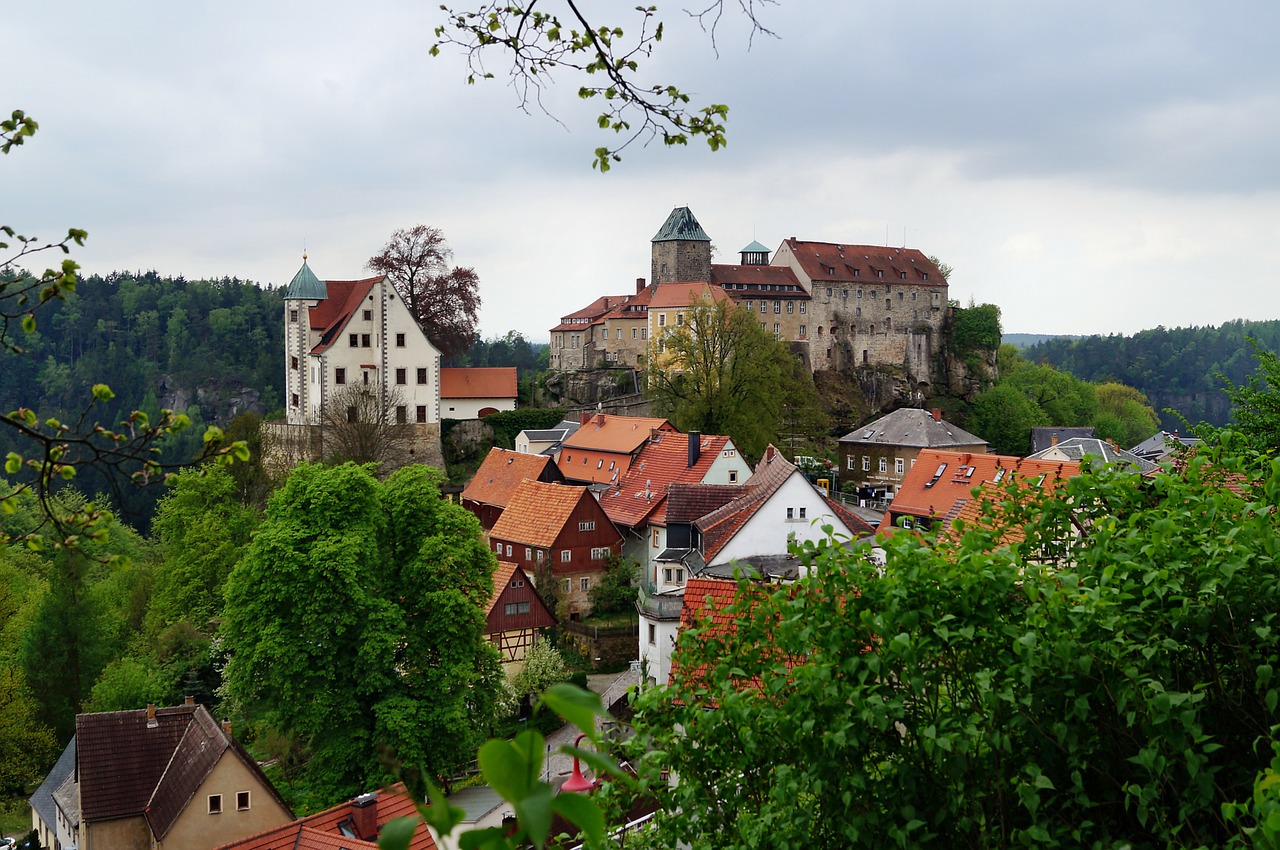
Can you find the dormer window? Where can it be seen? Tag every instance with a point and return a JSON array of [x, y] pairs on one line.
[[879, 273]]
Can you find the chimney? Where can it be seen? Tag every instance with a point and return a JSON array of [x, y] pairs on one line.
[[584, 418], [188, 700], [226, 727], [768, 454], [1053, 440], [695, 447], [364, 814], [151, 716], [937, 414], [600, 420], [639, 285]]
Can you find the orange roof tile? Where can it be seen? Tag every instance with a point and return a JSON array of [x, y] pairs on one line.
[[622, 434], [501, 473], [642, 494], [323, 830], [537, 512], [673, 295], [474, 382], [501, 578], [940, 479]]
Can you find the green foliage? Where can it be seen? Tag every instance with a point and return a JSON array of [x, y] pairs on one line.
[[355, 621], [721, 373], [543, 667], [975, 328], [129, 683], [27, 745], [968, 695], [1255, 403], [616, 589], [507, 424], [1004, 417]]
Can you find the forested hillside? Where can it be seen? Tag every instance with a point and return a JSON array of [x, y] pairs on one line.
[[1175, 368], [211, 349]]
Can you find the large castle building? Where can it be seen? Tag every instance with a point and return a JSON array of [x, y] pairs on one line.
[[839, 306]]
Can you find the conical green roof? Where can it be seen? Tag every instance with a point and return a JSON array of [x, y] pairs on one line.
[[754, 248], [305, 285], [681, 226]]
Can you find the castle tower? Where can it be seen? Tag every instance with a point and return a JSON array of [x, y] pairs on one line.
[[755, 254], [304, 292], [681, 250]]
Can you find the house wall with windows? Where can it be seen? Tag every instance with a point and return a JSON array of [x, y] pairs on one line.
[[795, 511], [244, 807]]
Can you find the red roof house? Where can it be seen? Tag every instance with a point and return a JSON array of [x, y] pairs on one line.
[[487, 493], [353, 825], [515, 614], [603, 448], [474, 393]]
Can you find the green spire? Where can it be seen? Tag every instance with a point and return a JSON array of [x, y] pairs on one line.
[[305, 285], [681, 226]]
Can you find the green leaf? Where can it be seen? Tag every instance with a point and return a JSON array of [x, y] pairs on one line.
[[577, 706], [582, 811], [102, 392], [397, 834]]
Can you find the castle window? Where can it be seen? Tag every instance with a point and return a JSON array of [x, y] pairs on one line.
[[776, 329], [802, 305], [777, 307], [791, 306], [820, 329], [879, 273], [353, 340], [748, 304], [422, 413], [399, 340], [844, 293], [368, 315], [679, 318], [859, 293], [913, 296], [402, 414], [804, 331], [856, 273], [364, 340], [828, 292], [339, 376], [402, 376], [764, 306], [633, 332], [585, 583], [662, 320], [422, 376], [293, 315], [293, 399], [644, 333], [857, 311], [924, 275], [902, 275], [352, 415], [293, 363], [900, 294]]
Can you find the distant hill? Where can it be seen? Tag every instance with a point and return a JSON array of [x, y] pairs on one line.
[[1177, 368], [1024, 341]]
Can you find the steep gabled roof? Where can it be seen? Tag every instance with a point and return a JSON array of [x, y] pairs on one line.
[[723, 275], [330, 316], [941, 479], [641, 495], [687, 503], [590, 313], [202, 745], [1042, 437], [501, 473], [42, 799], [325, 830], [681, 226], [912, 428], [1077, 447], [501, 577], [835, 263], [476, 382], [719, 526], [120, 760], [537, 512]]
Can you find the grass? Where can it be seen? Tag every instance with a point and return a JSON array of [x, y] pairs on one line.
[[15, 816]]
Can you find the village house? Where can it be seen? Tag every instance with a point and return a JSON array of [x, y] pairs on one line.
[[515, 616], [876, 456], [349, 341], [151, 779], [545, 441], [475, 392], [490, 489], [941, 483], [603, 448], [563, 527], [353, 825], [717, 530]]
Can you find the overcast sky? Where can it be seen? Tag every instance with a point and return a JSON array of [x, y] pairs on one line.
[[1090, 167]]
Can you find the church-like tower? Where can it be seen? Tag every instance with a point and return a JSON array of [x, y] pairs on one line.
[[304, 292], [681, 250]]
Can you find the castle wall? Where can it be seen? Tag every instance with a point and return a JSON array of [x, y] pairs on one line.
[[680, 261]]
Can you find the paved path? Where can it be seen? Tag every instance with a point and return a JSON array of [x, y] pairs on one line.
[[559, 766]]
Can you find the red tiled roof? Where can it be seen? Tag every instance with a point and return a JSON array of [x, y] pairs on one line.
[[673, 295], [833, 263], [473, 382], [706, 604], [501, 578], [501, 473], [758, 276], [642, 493], [322, 831], [859, 526], [330, 316], [690, 502], [537, 512], [924, 493], [620, 434]]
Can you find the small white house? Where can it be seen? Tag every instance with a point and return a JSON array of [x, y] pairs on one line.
[[474, 393]]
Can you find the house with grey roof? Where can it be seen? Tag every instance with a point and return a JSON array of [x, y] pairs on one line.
[[1102, 452], [877, 456], [54, 831], [1161, 444], [1042, 437]]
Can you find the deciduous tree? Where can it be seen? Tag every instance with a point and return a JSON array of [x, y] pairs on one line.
[[367, 424], [445, 300]]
